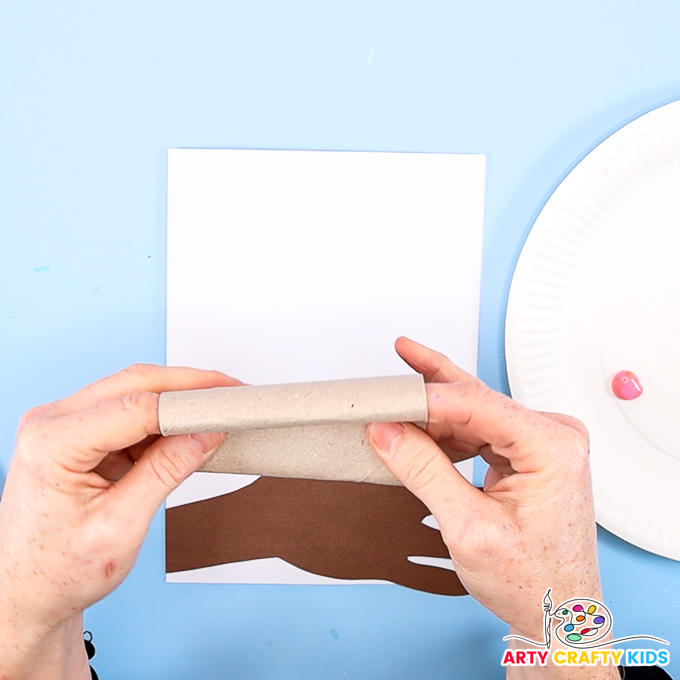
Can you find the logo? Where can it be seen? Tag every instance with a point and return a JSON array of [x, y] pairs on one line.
[[582, 626]]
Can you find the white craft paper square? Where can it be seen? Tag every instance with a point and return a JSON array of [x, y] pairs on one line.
[[292, 266]]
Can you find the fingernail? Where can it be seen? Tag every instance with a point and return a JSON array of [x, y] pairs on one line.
[[383, 435], [208, 440]]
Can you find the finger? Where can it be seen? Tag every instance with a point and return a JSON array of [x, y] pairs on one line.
[[424, 469], [434, 366], [162, 468], [499, 463], [115, 465], [456, 450], [139, 378], [136, 450], [492, 477], [567, 421], [80, 441], [529, 440], [454, 436]]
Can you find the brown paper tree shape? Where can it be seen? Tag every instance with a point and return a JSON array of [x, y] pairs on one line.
[[344, 530]]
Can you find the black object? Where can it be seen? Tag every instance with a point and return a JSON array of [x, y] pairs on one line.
[[643, 673], [90, 651]]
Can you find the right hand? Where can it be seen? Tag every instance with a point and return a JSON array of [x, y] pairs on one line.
[[532, 527]]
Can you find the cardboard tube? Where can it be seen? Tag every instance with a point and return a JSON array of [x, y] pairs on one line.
[[306, 430]]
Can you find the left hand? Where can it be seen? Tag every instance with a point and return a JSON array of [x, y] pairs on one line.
[[87, 476]]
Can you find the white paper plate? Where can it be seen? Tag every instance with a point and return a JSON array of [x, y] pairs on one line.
[[596, 291]]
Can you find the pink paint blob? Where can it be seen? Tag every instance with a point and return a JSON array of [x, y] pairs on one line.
[[626, 385]]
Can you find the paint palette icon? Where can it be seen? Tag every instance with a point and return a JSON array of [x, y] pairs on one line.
[[580, 622]]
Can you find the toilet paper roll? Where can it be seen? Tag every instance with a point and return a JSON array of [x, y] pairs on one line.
[[306, 430]]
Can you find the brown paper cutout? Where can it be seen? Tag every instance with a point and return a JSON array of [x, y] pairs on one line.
[[343, 530]]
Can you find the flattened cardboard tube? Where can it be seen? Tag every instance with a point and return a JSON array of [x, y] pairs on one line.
[[308, 430], [231, 409]]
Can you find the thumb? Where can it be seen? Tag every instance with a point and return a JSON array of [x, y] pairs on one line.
[[425, 470], [162, 468]]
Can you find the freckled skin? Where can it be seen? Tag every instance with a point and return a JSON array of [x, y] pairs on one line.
[[531, 528], [87, 476], [90, 471]]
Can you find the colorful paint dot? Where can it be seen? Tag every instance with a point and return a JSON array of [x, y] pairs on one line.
[[598, 620], [578, 608], [574, 637], [626, 385], [592, 609], [585, 631], [580, 619], [565, 612], [569, 627]]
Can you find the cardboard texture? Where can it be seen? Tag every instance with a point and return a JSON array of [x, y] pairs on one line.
[[306, 430]]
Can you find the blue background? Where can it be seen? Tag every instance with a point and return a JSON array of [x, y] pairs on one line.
[[92, 95]]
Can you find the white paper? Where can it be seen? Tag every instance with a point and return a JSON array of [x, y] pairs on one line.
[[292, 266]]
